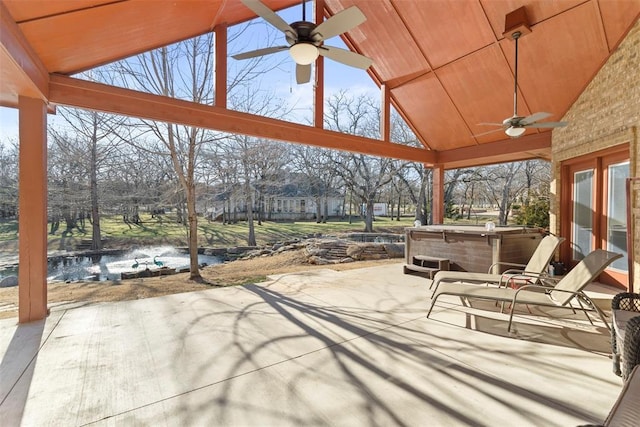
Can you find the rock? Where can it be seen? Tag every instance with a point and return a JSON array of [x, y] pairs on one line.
[[394, 250], [315, 251], [316, 260], [9, 281], [355, 251], [346, 260]]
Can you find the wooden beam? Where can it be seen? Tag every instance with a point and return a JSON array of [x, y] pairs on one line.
[[318, 92], [22, 72], [32, 200], [221, 66], [385, 112], [95, 96], [536, 145], [437, 207]]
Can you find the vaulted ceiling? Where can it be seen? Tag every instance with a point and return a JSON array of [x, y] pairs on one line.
[[446, 64]]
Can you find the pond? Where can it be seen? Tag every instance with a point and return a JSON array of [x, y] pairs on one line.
[[111, 266]]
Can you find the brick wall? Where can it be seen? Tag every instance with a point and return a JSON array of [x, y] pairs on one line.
[[606, 114]]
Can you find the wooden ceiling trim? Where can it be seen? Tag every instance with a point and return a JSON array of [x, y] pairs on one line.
[[525, 147], [25, 11], [432, 112], [95, 96], [414, 38], [487, 98], [463, 24], [21, 67], [615, 18], [382, 37], [537, 11], [543, 52], [68, 43]]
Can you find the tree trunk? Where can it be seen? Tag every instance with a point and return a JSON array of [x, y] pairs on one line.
[[96, 239], [318, 210], [251, 240], [368, 221], [326, 209], [193, 232], [421, 206]]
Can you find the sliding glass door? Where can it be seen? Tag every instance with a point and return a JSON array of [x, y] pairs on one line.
[[594, 211], [615, 236], [583, 214]]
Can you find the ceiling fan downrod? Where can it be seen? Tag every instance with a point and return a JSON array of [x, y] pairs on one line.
[[516, 36]]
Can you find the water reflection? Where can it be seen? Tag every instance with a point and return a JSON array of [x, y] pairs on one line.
[[111, 266]]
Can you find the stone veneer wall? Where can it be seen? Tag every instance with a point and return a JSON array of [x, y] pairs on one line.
[[606, 114]]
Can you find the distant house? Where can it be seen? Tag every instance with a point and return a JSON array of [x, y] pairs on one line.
[[288, 202]]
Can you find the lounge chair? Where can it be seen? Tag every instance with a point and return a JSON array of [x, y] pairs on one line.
[[531, 272], [567, 290]]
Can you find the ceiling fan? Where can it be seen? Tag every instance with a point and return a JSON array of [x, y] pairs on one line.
[[306, 39], [515, 126]]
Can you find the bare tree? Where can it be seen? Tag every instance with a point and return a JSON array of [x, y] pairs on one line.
[[537, 174], [412, 178], [504, 186], [364, 175], [8, 180], [185, 71], [94, 138]]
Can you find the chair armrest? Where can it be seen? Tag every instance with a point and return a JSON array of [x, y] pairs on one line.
[[548, 290], [542, 278], [512, 264]]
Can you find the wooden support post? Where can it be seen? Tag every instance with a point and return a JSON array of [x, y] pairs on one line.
[[221, 66], [32, 240], [318, 90], [438, 194], [385, 113]]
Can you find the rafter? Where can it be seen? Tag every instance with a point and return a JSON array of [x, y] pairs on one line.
[[95, 96]]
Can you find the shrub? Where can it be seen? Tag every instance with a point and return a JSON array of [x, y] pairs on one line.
[[534, 214]]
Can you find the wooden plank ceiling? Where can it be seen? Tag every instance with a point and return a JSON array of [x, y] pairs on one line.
[[446, 62]]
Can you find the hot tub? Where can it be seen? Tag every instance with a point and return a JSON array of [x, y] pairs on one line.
[[472, 248]]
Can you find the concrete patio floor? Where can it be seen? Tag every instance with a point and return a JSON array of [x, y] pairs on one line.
[[349, 348]]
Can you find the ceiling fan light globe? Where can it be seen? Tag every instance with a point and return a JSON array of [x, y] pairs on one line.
[[303, 53], [514, 132]]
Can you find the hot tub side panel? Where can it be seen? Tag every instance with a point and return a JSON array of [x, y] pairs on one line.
[[471, 252]]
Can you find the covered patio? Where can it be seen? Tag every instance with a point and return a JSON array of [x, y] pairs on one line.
[[316, 348], [349, 348], [457, 56]]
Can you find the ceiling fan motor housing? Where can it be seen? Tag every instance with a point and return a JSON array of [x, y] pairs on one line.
[[303, 31]]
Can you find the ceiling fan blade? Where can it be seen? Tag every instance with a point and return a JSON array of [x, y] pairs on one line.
[[491, 124], [259, 52], [487, 133], [303, 73], [339, 23], [547, 125], [534, 118], [268, 15], [346, 57]]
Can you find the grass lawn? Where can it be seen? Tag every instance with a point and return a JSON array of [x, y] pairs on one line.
[[165, 230]]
